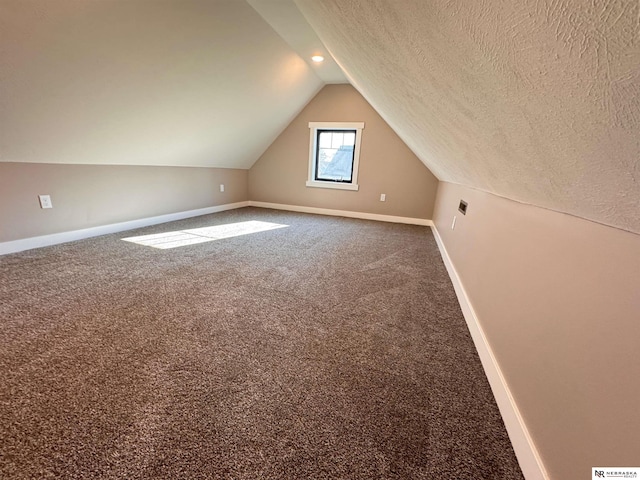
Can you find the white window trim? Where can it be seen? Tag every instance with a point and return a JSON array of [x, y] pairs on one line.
[[313, 136]]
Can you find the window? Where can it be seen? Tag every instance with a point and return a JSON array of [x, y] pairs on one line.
[[334, 154]]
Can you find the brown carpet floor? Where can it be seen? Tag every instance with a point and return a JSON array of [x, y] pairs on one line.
[[330, 349]]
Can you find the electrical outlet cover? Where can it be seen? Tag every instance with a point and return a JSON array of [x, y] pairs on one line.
[[45, 201]]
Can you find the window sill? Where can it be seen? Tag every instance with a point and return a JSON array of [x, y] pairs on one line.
[[334, 185]]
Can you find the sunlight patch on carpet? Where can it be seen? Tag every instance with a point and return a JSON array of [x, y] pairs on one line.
[[181, 238]]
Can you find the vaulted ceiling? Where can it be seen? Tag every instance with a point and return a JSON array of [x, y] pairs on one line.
[[534, 100], [162, 82]]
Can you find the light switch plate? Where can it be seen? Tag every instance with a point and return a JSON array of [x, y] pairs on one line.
[[45, 201]]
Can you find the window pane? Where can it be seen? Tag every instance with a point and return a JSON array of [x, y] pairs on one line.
[[337, 139], [335, 155], [349, 138], [325, 139]]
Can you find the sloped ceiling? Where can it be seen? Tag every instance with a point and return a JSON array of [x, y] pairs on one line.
[[162, 82], [534, 100], [285, 18]]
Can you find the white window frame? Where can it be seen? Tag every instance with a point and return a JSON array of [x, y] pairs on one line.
[[313, 136]]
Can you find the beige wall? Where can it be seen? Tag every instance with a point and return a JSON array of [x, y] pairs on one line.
[[92, 195], [386, 163], [559, 300]]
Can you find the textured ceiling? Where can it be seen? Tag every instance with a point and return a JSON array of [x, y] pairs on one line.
[[537, 101], [163, 82]]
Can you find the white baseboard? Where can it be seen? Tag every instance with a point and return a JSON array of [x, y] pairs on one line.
[[56, 238], [526, 452], [344, 213]]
